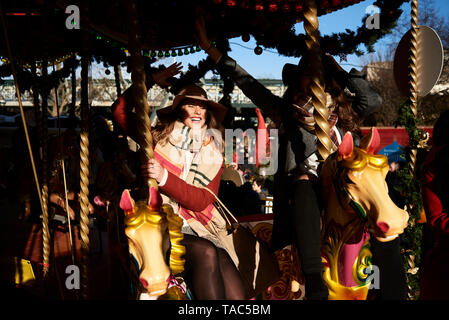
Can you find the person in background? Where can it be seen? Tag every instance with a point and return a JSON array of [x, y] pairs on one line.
[[258, 185], [392, 180], [250, 200], [435, 191], [228, 191], [296, 199]]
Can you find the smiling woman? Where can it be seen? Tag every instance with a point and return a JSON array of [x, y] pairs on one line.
[[181, 171], [194, 113]]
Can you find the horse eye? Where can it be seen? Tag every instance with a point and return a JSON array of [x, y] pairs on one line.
[[347, 180]]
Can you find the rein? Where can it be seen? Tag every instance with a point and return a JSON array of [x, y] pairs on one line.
[[344, 196]]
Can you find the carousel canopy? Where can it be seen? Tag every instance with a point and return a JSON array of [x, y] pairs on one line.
[[37, 28]]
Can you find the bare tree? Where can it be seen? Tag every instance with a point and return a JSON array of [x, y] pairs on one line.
[[379, 70], [428, 15], [64, 92]]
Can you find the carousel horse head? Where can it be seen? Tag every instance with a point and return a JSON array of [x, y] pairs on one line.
[[356, 201], [151, 228]]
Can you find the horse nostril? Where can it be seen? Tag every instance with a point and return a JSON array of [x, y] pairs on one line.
[[384, 227], [144, 282]]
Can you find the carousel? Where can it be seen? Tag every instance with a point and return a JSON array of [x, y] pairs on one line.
[[135, 252]]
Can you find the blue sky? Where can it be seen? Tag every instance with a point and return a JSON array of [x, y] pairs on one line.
[[269, 64]]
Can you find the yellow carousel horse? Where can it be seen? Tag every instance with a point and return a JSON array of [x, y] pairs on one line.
[[152, 229], [356, 204]]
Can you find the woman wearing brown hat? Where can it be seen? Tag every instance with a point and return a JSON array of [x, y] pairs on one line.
[[187, 159], [296, 206]]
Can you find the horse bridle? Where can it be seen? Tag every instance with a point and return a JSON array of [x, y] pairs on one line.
[[343, 194]]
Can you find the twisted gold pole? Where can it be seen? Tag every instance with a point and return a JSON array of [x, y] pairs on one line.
[[145, 139], [139, 90], [413, 74], [84, 153], [413, 87], [44, 192], [320, 113], [44, 207]]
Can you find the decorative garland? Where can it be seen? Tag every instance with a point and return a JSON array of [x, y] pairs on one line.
[[289, 44], [25, 77], [111, 51], [410, 187], [39, 64], [270, 32]]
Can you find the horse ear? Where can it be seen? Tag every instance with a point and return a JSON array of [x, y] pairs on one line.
[[155, 200], [126, 201], [370, 142], [346, 146]]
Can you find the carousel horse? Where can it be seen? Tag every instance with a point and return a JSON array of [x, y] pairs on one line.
[[356, 202], [152, 229]]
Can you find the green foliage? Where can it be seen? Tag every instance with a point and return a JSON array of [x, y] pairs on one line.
[[289, 43], [410, 187]]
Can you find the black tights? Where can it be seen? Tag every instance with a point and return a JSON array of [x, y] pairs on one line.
[[306, 225], [305, 216], [210, 272], [392, 279]]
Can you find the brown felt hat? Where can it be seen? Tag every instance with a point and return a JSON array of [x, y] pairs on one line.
[[197, 93], [292, 72]]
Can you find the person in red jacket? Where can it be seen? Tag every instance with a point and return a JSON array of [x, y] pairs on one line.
[[186, 160], [434, 283]]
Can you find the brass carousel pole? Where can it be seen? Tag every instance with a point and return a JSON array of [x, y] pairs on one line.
[[73, 104], [139, 92], [84, 152], [44, 148], [320, 113], [144, 137], [413, 74], [19, 99], [413, 99], [37, 109], [44, 144], [117, 79]]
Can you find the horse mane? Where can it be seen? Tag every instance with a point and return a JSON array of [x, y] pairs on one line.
[[142, 213], [336, 168], [359, 159]]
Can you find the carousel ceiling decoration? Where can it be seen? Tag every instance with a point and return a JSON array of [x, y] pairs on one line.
[[167, 26], [37, 29]]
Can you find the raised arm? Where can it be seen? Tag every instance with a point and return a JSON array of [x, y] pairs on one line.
[[365, 100], [263, 98]]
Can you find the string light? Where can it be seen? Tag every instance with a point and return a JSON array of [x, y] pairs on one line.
[[259, 5], [153, 53], [272, 6], [39, 64]]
